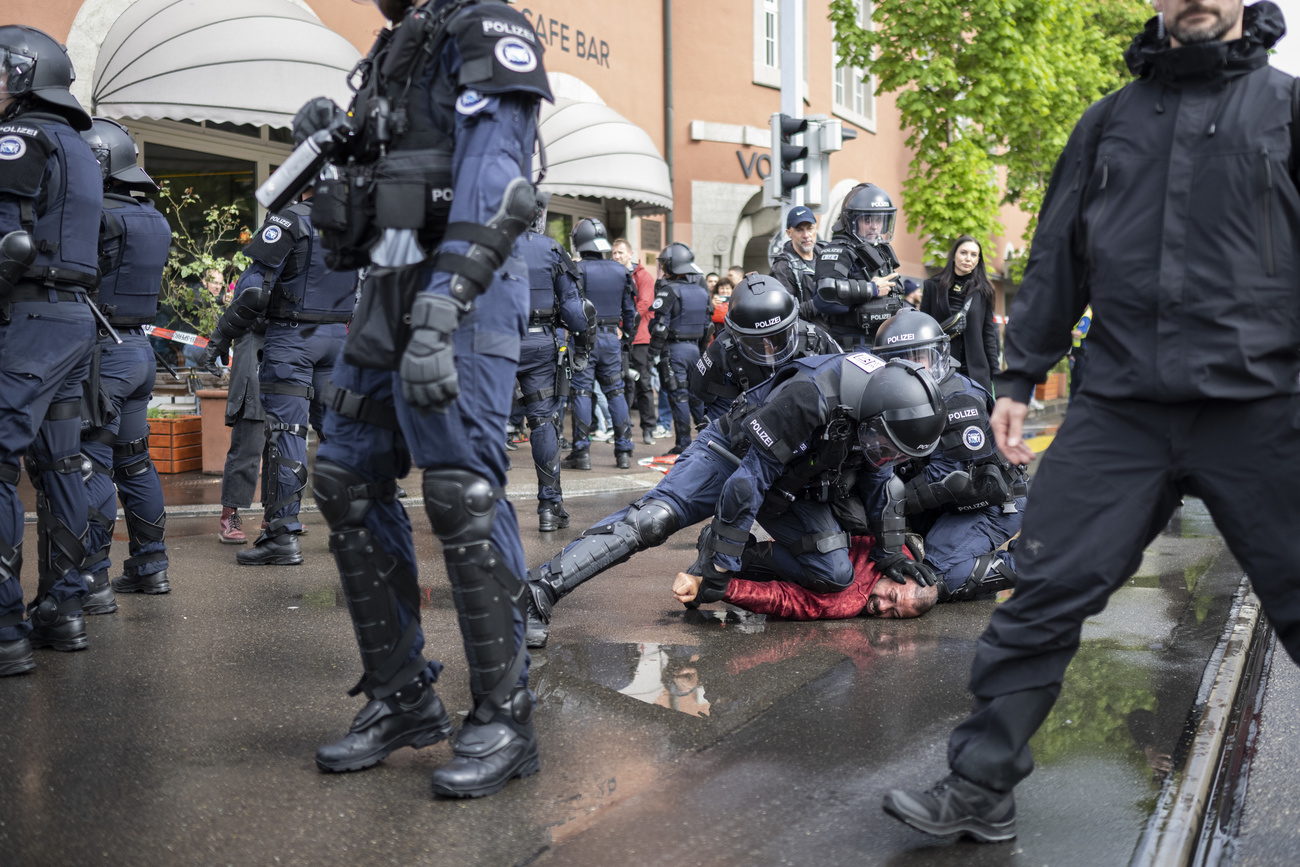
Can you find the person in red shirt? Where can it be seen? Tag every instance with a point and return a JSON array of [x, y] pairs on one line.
[[868, 594], [639, 390]]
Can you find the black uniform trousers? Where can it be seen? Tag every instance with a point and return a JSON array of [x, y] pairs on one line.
[[1106, 487]]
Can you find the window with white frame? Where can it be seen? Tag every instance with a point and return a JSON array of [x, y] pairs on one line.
[[853, 95], [767, 44]]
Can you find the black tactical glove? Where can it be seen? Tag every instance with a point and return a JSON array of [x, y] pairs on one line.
[[317, 114], [428, 367], [899, 567], [215, 349]]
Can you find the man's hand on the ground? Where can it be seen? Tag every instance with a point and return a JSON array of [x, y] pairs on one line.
[[1008, 423], [686, 586]]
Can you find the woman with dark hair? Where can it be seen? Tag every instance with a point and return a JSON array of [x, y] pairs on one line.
[[961, 298]]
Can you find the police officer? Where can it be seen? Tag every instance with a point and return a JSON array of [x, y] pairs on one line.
[[796, 265], [555, 300], [966, 500], [681, 320], [791, 449], [133, 242], [306, 306], [609, 287], [856, 272], [50, 195], [762, 331], [465, 79]]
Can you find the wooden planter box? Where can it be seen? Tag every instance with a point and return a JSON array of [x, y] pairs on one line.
[[176, 444]]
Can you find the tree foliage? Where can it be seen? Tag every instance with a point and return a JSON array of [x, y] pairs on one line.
[[195, 252], [989, 91]]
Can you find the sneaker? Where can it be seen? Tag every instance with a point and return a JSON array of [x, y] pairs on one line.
[[603, 436], [955, 805], [662, 432]]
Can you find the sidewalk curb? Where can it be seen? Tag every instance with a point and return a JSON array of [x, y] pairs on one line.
[[606, 485], [1174, 830]]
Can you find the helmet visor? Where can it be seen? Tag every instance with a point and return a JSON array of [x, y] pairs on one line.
[[933, 357], [874, 227], [101, 152], [879, 447], [768, 349], [16, 73]]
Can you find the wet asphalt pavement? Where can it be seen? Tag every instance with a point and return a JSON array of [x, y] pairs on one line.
[[186, 733]]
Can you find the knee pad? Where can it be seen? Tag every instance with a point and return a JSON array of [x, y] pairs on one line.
[[344, 497], [461, 505], [653, 520]]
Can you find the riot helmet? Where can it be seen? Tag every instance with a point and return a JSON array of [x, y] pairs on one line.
[[539, 213], [678, 259], [116, 152], [868, 215], [33, 65], [897, 406], [915, 336], [762, 318], [589, 236]]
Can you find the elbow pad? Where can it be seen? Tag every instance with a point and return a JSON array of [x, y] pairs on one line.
[[893, 524], [846, 292], [240, 316], [490, 245]]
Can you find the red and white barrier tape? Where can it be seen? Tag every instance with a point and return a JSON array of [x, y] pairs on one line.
[[175, 336]]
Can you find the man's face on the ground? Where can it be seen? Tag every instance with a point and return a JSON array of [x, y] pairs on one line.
[[1191, 21], [897, 601], [623, 255], [804, 238]]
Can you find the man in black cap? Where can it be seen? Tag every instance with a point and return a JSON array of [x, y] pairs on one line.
[[795, 264]]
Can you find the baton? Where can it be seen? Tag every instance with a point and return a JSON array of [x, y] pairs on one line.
[[103, 323]]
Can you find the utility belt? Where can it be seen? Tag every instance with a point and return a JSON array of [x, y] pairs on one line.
[[127, 323], [606, 329], [27, 292], [541, 317], [311, 318]]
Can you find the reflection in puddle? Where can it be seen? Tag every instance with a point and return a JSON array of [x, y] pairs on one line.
[[666, 675], [730, 617]]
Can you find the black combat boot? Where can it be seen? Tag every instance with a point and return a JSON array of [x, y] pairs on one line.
[[956, 805], [536, 631], [99, 599], [412, 717], [623, 460], [155, 584], [486, 756], [59, 625], [552, 517], [281, 550], [16, 657], [578, 459]]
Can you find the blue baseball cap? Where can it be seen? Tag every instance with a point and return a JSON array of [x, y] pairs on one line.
[[799, 215]]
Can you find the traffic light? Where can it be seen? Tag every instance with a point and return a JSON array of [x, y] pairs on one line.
[[784, 180]]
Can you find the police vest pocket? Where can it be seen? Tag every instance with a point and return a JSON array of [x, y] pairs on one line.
[[343, 209], [413, 190]]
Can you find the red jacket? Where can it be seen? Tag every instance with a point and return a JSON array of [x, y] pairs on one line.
[[783, 599], [645, 296]]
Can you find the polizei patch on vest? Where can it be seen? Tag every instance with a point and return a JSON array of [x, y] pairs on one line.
[[515, 54], [271, 234], [471, 101], [12, 147], [973, 437], [506, 28], [763, 436]]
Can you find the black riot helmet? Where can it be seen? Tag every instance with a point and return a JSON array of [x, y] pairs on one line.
[[539, 213], [677, 259], [762, 318], [918, 337], [897, 406], [868, 215], [589, 236], [34, 66], [117, 153]]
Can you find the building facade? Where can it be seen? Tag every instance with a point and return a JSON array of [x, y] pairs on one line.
[[659, 128]]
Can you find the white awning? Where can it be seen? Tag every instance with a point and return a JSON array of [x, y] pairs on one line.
[[229, 61], [592, 150]]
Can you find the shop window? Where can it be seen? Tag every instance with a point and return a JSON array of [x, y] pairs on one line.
[[215, 180], [854, 97]]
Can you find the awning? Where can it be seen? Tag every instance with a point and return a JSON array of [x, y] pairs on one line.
[[229, 61], [593, 150]]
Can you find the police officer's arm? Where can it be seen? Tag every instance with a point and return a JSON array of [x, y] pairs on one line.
[[24, 184], [835, 291], [738, 506], [707, 380], [269, 250], [631, 316], [1054, 292], [661, 308], [567, 296], [492, 199]]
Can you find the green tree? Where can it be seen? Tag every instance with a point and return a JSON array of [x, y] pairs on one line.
[[196, 250], [989, 91]]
